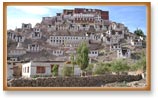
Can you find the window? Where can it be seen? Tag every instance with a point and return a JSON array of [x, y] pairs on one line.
[[40, 69], [27, 69]]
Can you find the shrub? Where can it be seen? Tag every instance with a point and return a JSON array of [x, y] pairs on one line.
[[55, 70], [119, 66], [67, 71], [102, 68], [140, 64], [89, 68]]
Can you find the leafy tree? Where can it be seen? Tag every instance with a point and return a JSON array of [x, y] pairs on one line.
[[139, 32], [119, 66], [140, 64], [89, 68], [67, 71], [82, 56], [142, 61], [102, 68], [55, 70], [72, 58]]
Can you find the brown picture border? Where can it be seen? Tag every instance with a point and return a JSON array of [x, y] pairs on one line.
[[148, 9]]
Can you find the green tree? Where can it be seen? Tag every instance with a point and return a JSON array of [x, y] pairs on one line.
[[139, 32], [102, 68], [89, 68], [67, 71], [82, 56], [55, 70], [140, 64], [72, 58], [119, 66], [142, 61]]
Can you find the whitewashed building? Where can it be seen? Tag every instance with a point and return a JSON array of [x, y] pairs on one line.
[[10, 34], [34, 48], [123, 53], [43, 68], [26, 26], [18, 51], [58, 52], [95, 38], [17, 37], [67, 40], [136, 42], [36, 35], [115, 47], [93, 53]]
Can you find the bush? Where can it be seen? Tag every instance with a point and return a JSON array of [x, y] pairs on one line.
[[89, 68], [102, 68], [67, 71], [140, 64], [119, 66], [55, 70]]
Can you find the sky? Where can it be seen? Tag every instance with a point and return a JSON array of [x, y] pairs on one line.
[[132, 16]]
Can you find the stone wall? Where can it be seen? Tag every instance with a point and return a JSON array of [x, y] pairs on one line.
[[90, 81]]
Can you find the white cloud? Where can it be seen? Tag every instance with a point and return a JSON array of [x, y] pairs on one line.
[[41, 10], [13, 23], [33, 9]]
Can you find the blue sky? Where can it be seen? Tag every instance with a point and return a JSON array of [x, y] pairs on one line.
[[132, 16]]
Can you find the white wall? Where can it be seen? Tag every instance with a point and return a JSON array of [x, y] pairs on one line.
[[139, 43], [60, 40], [26, 65], [17, 52], [58, 52], [120, 54], [36, 48], [46, 65], [93, 53]]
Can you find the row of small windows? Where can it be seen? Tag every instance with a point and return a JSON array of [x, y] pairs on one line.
[[17, 51], [26, 69], [139, 43], [57, 41], [126, 51], [115, 46], [67, 38], [93, 52], [58, 52], [90, 19]]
